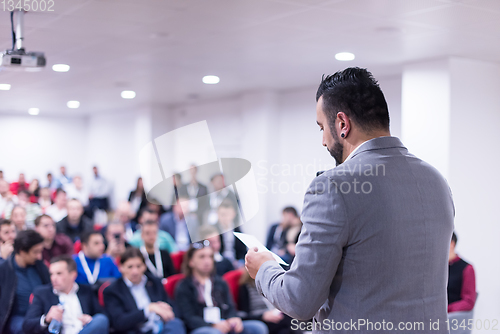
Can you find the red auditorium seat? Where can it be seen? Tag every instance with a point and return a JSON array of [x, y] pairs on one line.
[[171, 283], [177, 259], [232, 279], [77, 247], [100, 293]]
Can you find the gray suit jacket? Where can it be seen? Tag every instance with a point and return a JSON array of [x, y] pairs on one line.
[[373, 248]]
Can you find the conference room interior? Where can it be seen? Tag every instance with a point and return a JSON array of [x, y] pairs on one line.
[[250, 69]]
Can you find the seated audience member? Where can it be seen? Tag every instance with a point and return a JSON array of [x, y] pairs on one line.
[[44, 199], [63, 178], [276, 237], [51, 182], [75, 189], [137, 198], [461, 282], [256, 307], [115, 240], [20, 274], [7, 237], [204, 300], [231, 247], [21, 184], [32, 210], [92, 264], [222, 264], [124, 214], [176, 222], [137, 302], [7, 199], [18, 217], [164, 241], [54, 244], [157, 260], [292, 237], [196, 194], [59, 209], [74, 306], [34, 190], [98, 192], [75, 223]]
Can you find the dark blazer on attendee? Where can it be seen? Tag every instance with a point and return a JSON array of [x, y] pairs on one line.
[[44, 298], [270, 237], [191, 311], [121, 307], [168, 265], [8, 286], [239, 247], [75, 233]]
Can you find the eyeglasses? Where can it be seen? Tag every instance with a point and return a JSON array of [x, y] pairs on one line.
[[201, 244]]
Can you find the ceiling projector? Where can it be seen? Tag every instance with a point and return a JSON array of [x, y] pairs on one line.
[[17, 57]]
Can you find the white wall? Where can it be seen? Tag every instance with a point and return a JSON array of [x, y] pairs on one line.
[[37, 145]]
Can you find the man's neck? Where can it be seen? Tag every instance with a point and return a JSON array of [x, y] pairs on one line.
[[150, 248], [452, 257], [20, 261], [200, 277], [67, 291], [356, 140], [89, 257], [47, 243]]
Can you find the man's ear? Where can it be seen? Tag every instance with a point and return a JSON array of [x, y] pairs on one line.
[[344, 124]]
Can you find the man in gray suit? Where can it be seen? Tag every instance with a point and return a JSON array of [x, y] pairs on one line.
[[372, 256]]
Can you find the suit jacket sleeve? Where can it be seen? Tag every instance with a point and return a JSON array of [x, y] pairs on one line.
[[121, 321], [301, 291], [35, 311]]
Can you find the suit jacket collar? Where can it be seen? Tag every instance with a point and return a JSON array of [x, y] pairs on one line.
[[379, 144]]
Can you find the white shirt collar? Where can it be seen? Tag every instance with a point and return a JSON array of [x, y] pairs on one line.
[[144, 279], [74, 289]]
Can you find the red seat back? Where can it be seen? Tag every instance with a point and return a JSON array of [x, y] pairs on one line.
[[77, 247], [100, 293], [171, 283], [232, 279], [177, 259]]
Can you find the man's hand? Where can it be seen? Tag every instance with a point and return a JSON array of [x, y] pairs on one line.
[[254, 259], [236, 324], [223, 326], [115, 248], [85, 319], [273, 316], [55, 312], [6, 249], [163, 310]]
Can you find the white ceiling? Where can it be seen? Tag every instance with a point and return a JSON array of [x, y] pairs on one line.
[[162, 48]]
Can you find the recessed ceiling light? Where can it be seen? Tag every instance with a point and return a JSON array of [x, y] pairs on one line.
[[73, 104], [4, 86], [211, 79], [33, 111], [60, 68], [344, 56], [128, 94]]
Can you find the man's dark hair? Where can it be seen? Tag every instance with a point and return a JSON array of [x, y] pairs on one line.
[[26, 240], [87, 235], [130, 253], [148, 210], [292, 210], [355, 92], [65, 258], [39, 219], [24, 191], [5, 222], [454, 238], [60, 190]]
